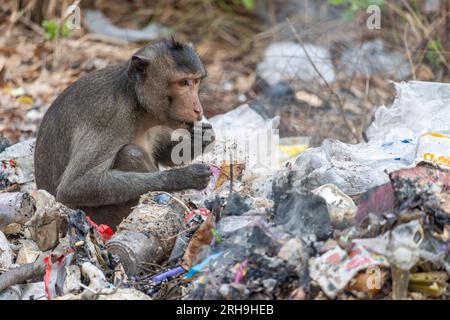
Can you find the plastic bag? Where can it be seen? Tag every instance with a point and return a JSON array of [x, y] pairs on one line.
[[419, 108], [434, 148], [335, 268], [17, 164], [244, 135]]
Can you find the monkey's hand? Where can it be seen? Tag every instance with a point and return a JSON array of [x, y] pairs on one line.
[[207, 135], [194, 176], [201, 137]]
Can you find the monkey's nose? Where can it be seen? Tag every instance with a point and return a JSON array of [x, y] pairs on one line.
[[199, 114]]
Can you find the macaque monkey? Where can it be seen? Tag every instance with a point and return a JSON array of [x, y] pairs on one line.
[[100, 143]]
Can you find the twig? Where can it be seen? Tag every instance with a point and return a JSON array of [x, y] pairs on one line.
[[408, 52], [177, 200], [341, 107], [33, 26], [102, 38], [68, 13], [22, 274], [16, 15], [231, 176], [181, 232]]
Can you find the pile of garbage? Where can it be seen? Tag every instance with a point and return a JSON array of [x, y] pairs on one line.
[[363, 221]]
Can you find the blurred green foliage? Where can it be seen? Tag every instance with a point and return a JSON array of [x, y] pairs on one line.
[[434, 48], [354, 6], [54, 29], [247, 4]]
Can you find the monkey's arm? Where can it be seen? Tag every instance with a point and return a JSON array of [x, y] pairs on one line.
[[110, 186], [103, 187], [90, 181]]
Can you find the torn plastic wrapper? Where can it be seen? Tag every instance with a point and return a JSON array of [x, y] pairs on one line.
[[17, 165], [434, 148], [203, 213], [199, 267], [352, 168], [105, 231], [341, 207], [55, 273], [334, 269], [202, 237]]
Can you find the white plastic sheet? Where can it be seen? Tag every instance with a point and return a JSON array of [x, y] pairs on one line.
[[6, 254], [288, 61], [420, 107], [17, 163], [244, 135]]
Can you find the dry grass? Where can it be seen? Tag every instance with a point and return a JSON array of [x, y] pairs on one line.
[[423, 36], [231, 41]]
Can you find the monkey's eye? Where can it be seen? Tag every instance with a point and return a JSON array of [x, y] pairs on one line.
[[197, 81], [183, 83]]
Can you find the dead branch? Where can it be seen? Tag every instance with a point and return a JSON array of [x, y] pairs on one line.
[[21, 274]]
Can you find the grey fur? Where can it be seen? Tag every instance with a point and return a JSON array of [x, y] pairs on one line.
[[86, 153]]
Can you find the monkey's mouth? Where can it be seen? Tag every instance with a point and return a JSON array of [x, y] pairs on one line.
[[188, 124], [183, 125]]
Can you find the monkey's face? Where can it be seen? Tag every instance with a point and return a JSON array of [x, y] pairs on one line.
[[185, 106], [167, 78]]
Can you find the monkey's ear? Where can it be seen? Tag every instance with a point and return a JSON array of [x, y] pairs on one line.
[[137, 67]]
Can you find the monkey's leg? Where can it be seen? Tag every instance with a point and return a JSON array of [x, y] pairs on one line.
[[108, 190], [131, 158]]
